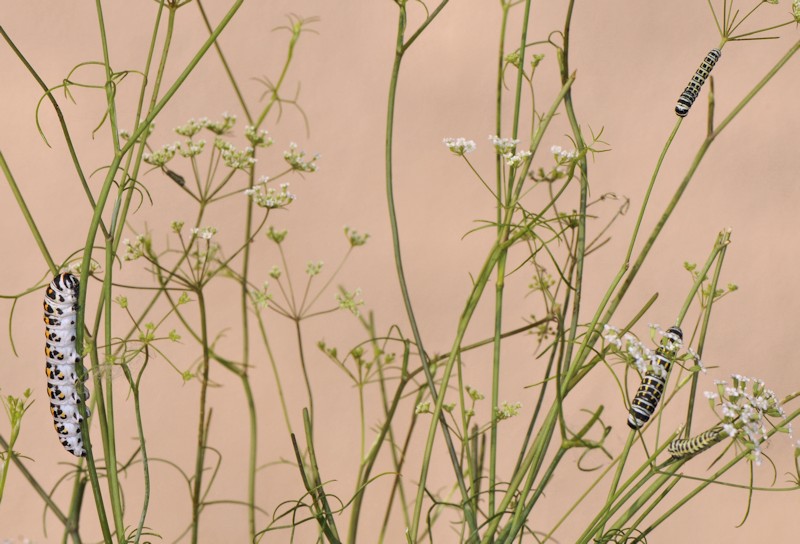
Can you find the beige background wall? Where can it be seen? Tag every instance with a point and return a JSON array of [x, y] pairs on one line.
[[632, 60]]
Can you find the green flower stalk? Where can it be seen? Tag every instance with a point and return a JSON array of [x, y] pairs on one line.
[[15, 408]]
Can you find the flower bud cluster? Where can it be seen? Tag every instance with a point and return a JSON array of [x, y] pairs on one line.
[[297, 160]]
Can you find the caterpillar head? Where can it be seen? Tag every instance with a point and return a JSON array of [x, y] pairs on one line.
[[67, 281]]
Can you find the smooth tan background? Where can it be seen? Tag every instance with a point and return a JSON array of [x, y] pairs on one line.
[[632, 59]]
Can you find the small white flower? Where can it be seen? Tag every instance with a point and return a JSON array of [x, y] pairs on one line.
[[460, 146], [729, 429], [519, 158], [506, 410], [503, 146], [710, 395], [206, 233]]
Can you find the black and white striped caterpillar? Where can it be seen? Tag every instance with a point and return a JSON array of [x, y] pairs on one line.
[[644, 403], [60, 314], [692, 90], [683, 448]]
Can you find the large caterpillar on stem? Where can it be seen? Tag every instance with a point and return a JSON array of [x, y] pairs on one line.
[[650, 391], [61, 356], [692, 90]]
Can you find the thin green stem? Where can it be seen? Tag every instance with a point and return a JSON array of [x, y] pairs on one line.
[[202, 428], [306, 378], [226, 67], [23, 207], [439, 399]]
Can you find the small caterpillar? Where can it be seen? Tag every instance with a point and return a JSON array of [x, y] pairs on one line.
[[644, 403], [61, 355], [692, 90], [683, 448]]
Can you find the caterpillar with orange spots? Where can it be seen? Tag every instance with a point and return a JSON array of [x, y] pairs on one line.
[[61, 356]]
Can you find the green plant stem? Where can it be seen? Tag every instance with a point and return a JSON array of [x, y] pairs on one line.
[[501, 265], [275, 373], [244, 304], [312, 483], [202, 428], [368, 461], [226, 67], [612, 490], [134, 385], [523, 510], [27, 214], [722, 241], [94, 225], [702, 337], [631, 485], [114, 490], [306, 377], [400, 48], [119, 215], [130, 180], [75, 505], [252, 458]]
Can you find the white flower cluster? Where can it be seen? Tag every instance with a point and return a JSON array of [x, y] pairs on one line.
[[506, 147], [193, 126], [460, 146], [297, 161], [192, 148], [350, 301], [563, 156], [632, 349], [261, 297], [507, 411], [220, 127], [258, 138], [137, 248], [162, 156], [234, 158], [518, 158], [75, 268], [503, 146], [206, 233], [270, 197], [745, 405]]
